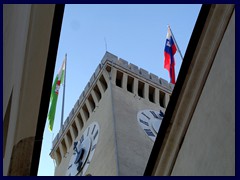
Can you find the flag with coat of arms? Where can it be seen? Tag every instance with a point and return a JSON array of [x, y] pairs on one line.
[[59, 79], [169, 51]]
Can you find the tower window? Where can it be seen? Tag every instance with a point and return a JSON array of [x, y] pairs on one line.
[[119, 79], [151, 94], [97, 93], [80, 120], [58, 157], [161, 98], [74, 127], [64, 147], [130, 84], [103, 82], [69, 138], [85, 111], [91, 102], [140, 88]]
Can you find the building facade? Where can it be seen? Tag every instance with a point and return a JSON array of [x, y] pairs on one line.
[[197, 133], [29, 54], [114, 123]]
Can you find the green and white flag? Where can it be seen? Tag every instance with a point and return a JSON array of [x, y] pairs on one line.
[[54, 95]]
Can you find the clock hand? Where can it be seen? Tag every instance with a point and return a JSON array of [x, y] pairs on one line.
[[79, 159], [75, 147], [79, 155]]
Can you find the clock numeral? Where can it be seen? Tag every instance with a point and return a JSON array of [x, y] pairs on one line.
[[94, 146], [145, 115], [88, 131], [149, 132], [144, 122], [69, 166], [161, 114], [82, 138], [155, 115], [93, 128], [95, 135]]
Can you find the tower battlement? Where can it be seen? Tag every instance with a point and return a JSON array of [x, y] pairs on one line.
[[110, 58], [118, 72]]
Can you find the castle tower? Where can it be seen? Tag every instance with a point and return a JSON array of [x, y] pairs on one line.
[[113, 125]]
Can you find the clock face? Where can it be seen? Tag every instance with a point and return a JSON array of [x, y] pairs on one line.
[[83, 151], [150, 121]]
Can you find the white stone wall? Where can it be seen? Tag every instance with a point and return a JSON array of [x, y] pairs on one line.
[[134, 146], [108, 106], [209, 145], [104, 158], [25, 51]]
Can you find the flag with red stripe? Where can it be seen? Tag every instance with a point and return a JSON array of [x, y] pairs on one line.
[[169, 51]]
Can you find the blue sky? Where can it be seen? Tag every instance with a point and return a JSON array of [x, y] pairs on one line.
[[134, 32]]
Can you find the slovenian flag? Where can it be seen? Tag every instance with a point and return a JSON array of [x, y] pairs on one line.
[[169, 51], [54, 95]]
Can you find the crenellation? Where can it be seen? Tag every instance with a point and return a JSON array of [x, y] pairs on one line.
[[87, 87], [133, 68], [97, 70], [71, 114], [144, 73], [164, 83], [110, 57], [123, 63], [62, 130], [65, 124], [76, 106], [154, 78], [67, 119], [81, 97], [92, 79], [171, 86]]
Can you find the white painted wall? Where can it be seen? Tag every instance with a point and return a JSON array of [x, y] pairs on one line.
[[209, 145]]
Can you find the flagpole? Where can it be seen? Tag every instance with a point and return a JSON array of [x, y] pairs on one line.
[[64, 84], [175, 43]]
